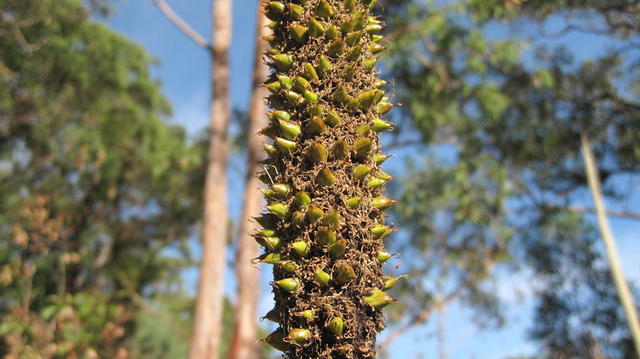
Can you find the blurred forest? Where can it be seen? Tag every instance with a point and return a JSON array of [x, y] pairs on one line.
[[100, 196]]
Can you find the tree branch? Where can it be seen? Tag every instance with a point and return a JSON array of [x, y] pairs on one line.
[[620, 214], [182, 25]]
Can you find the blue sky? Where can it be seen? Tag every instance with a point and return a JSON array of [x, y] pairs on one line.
[[184, 73]]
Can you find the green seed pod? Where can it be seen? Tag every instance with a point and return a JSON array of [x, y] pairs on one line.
[[390, 282], [274, 87], [332, 119], [348, 72], [378, 299], [266, 220], [293, 98], [331, 220], [282, 62], [325, 236], [272, 52], [276, 340], [360, 171], [322, 278], [281, 190], [298, 336], [383, 256], [385, 176], [382, 202], [313, 215], [354, 53], [279, 115], [335, 326], [270, 258], [379, 158], [364, 130], [373, 28], [297, 218], [375, 48], [279, 209], [289, 284], [289, 130], [288, 266], [376, 183], [339, 150], [315, 28], [384, 107], [353, 38], [302, 199], [271, 243], [350, 4], [326, 178], [325, 66], [354, 202], [266, 233], [362, 147], [379, 83], [308, 314], [338, 249], [299, 33], [341, 97], [273, 315], [274, 10], [270, 149], [369, 98], [310, 97], [295, 11], [336, 48], [316, 110], [332, 32], [379, 125], [376, 38], [316, 126], [324, 10], [317, 153], [301, 248], [344, 273], [310, 72], [378, 230], [284, 145], [285, 81], [300, 84]]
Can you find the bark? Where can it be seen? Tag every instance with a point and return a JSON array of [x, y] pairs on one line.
[[243, 344], [205, 341]]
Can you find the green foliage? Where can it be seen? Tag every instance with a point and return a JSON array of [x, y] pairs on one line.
[[95, 186]]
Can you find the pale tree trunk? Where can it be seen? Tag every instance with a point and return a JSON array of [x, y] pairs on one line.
[[243, 344], [207, 328]]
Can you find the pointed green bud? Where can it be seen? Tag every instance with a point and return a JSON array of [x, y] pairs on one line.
[[325, 65], [332, 118], [297, 218], [283, 62], [273, 25], [322, 278], [289, 284], [308, 314], [302, 248], [338, 249], [378, 299], [270, 149], [298, 336], [281, 190], [353, 24], [335, 326], [370, 98], [331, 219], [299, 33], [276, 340], [267, 192], [344, 274], [355, 53], [383, 256], [353, 38], [376, 38], [274, 10], [279, 209], [300, 84], [271, 39], [285, 81], [364, 130], [324, 10], [382, 202], [339, 150], [369, 64], [310, 97], [270, 258], [273, 315], [309, 72], [271, 243], [284, 145], [378, 230], [362, 147], [313, 214], [336, 48], [354, 202], [326, 178], [350, 4], [379, 125], [302, 199], [353, 104], [293, 97], [332, 32], [273, 87], [288, 266], [384, 107], [295, 11], [315, 28], [279, 115], [385, 176], [376, 183], [266, 233], [390, 282], [317, 153], [289, 130], [348, 72], [375, 48], [315, 126], [316, 110], [380, 83], [371, 4], [325, 236], [379, 158], [373, 28], [266, 220], [272, 52], [360, 171]]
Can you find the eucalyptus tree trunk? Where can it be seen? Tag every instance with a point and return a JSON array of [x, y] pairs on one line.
[[243, 343], [323, 228]]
